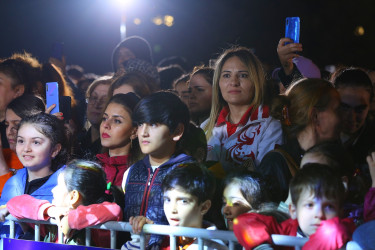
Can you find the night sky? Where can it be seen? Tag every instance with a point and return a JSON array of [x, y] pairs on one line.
[[90, 29]]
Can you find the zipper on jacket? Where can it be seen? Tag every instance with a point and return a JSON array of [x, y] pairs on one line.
[[145, 198]]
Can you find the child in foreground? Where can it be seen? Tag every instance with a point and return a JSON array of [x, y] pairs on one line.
[[317, 196], [243, 191], [187, 193], [162, 120], [80, 184]]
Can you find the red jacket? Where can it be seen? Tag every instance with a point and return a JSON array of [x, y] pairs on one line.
[[114, 167], [253, 229]]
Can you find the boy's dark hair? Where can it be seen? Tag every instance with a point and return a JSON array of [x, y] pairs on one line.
[[193, 178], [164, 108], [251, 187], [319, 179]]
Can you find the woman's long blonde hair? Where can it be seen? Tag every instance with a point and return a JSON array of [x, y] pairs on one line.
[[257, 77]]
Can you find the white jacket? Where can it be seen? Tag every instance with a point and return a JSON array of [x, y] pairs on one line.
[[255, 135]]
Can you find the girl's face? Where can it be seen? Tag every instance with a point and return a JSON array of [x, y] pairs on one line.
[[12, 121], [96, 103], [34, 149], [200, 95], [116, 128], [234, 204], [235, 84], [60, 193], [328, 121]]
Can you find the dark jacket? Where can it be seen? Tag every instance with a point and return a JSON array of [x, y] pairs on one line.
[[143, 193]]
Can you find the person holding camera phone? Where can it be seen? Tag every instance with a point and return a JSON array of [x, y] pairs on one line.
[[294, 66]]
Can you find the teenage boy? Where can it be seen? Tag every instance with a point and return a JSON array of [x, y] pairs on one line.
[[317, 197], [187, 194], [162, 120]]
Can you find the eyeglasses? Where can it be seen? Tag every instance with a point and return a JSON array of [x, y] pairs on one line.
[[94, 100]]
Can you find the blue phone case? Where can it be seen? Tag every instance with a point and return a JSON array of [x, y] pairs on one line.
[[52, 96], [292, 26]]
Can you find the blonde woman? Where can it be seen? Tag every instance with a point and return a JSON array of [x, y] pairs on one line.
[[239, 127]]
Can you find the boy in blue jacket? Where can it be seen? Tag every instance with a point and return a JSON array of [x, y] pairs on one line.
[[162, 120]]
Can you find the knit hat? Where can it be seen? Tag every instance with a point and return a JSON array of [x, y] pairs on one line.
[[144, 67], [137, 45]]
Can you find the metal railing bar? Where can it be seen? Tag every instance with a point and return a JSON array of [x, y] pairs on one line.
[[88, 237], [37, 232], [172, 242], [200, 243]]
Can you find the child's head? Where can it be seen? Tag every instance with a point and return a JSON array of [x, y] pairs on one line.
[[187, 193], [80, 183], [162, 120], [17, 109], [116, 129], [332, 154], [42, 142], [317, 194], [242, 192], [135, 82]]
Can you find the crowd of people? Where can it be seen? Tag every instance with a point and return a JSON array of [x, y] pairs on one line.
[[229, 147]]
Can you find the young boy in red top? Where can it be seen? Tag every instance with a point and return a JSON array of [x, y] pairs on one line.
[[317, 197]]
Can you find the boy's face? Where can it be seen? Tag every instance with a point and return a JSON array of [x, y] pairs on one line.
[[182, 209], [156, 140], [310, 211]]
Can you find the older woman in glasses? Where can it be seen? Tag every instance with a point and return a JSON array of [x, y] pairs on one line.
[[96, 98]]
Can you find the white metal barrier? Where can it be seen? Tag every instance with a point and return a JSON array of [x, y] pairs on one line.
[[114, 226], [170, 231]]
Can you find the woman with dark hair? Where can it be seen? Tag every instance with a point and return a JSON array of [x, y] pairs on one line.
[[356, 93], [309, 111], [17, 109], [200, 94], [240, 127], [118, 135]]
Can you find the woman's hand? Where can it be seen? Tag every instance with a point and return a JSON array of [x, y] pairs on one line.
[[3, 213], [59, 115], [287, 52], [138, 222]]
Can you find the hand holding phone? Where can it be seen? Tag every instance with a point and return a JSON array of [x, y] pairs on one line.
[[52, 96]]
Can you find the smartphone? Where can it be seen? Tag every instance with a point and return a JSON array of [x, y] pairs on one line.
[[52, 96], [292, 27], [57, 50], [66, 107]]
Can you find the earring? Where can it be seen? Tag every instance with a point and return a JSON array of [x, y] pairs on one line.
[[131, 143]]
